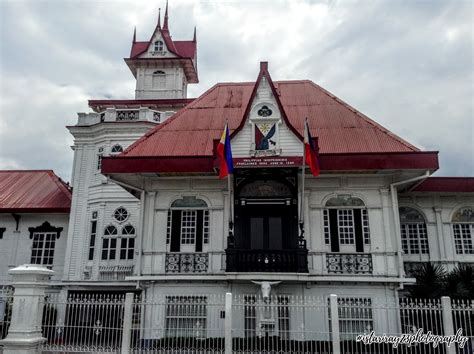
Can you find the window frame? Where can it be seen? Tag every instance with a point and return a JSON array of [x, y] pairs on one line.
[[462, 222], [413, 233], [357, 204], [193, 239], [184, 310], [42, 239]]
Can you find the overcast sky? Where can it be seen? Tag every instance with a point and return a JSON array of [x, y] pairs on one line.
[[406, 64]]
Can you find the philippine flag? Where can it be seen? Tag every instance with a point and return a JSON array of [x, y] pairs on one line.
[[311, 157], [225, 153]]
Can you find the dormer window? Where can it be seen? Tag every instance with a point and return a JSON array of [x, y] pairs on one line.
[[158, 46]]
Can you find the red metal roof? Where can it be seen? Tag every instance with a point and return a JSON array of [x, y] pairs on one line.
[[37, 191], [446, 184], [341, 129]]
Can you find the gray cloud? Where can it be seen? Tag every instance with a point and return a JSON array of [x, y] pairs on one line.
[[406, 64]]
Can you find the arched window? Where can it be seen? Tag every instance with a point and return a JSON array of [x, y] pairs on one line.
[[127, 242], [346, 223], [413, 231], [109, 243], [158, 46], [116, 149], [188, 225], [463, 230]]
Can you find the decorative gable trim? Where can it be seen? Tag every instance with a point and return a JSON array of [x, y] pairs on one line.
[[45, 227], [264, 73]]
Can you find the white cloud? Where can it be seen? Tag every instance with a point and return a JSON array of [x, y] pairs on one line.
[[407, 65]]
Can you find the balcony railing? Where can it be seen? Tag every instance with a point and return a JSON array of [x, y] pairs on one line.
[[245, 260], [349, 263], [115, 272], [186, 262]]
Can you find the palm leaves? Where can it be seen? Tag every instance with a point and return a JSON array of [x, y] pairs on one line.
[[432, 281]]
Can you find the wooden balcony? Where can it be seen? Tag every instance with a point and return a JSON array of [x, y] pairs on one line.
[[281, 261]]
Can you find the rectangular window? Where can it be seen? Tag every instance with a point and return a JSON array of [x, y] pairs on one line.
[[93, 235], [355, 316], [365, 226], [327, 229], [42, 251], [463, 238], [414, 238], [191, 223], [109, 248], [188, 227], [186, 316], [206, 226], [345, 220], [127, 247]]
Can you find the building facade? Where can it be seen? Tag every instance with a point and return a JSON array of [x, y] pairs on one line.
[[150, 215]]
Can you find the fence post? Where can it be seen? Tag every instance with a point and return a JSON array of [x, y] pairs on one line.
[[127, 323], [228, 324], [335, 336], [448, 326], [25, 335]]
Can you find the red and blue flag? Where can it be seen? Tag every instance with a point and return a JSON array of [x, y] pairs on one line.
[[224, 152]]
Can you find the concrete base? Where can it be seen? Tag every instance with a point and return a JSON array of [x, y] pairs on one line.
[[21, 346]]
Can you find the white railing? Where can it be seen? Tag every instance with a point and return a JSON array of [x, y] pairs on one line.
[[232, 323], [83, 323], [220, 323], [115, 272], [124, 114]]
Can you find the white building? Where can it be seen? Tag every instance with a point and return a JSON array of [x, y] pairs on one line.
[[34, 221], [149, 213]]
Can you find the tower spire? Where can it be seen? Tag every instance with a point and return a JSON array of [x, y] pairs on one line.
[[134, 34], [194, 36], [159, 17], [165, 22]]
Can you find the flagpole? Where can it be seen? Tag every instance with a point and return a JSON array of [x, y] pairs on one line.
[[303, 179]]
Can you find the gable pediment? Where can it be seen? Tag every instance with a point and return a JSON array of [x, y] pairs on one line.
[[157, 47], [265, 132]]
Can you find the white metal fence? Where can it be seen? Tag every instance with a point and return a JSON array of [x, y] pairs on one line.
[[226, 323]]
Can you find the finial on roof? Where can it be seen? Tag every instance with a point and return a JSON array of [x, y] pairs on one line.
[[165, 22], [135, 34], [159, 17], [194, 36], [264, 66]]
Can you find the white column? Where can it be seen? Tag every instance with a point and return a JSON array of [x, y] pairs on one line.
[[228, 324], [24, 335]]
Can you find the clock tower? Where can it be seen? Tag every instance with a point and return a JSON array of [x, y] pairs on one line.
[[163, 67]]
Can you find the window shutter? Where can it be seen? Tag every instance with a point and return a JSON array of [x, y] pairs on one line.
[[175, 231], [199, 230], [334, 230], [359, 238]]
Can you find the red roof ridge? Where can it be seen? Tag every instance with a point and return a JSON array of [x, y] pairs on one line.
[[366, 118], [65, 187]]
